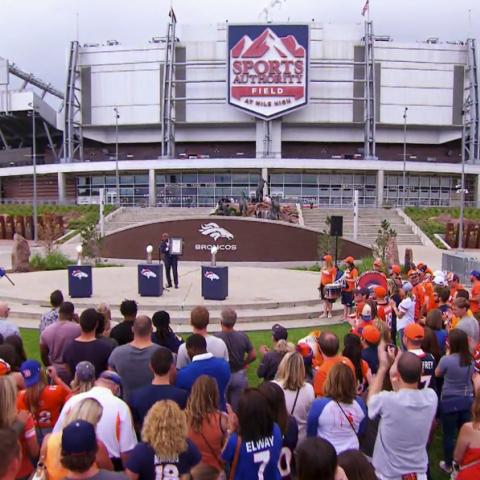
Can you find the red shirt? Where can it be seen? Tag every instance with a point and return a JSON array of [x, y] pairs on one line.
[[384, 312], [419, 293], [474, 305]]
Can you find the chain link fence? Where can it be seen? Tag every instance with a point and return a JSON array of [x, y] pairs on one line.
[[461, 264]]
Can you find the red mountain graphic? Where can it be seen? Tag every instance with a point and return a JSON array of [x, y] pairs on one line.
[[284, 46]]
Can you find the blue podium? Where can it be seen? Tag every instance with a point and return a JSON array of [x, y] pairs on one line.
[[150, 280], [214, 283], [80, 281]]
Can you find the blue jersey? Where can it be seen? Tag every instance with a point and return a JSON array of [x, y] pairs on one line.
[[257, 460]]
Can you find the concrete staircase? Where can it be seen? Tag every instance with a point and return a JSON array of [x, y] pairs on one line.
[[368, 223], [129, 216]]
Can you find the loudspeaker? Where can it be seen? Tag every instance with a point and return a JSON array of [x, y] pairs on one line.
[[336, 226]]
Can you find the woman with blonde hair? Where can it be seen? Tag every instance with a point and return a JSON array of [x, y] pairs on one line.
[[467, 450], [89, 410], [165, 450], [339, 416], [299, 394], [207, 424], [84, 379], [19, 420], [104, 327]]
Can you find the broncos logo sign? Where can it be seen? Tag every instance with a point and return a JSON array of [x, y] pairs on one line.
[[146, 272], [79, 274], [211, 276], [214, 231]]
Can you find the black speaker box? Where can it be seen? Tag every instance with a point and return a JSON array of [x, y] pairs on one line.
[[336, 226]]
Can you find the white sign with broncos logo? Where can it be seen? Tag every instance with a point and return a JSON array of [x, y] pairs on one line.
[[211, 276], [216, 232], [79, 274], [213, 230], [146, 272]]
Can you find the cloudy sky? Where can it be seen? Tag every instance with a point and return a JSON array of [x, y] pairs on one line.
[[35, 33]]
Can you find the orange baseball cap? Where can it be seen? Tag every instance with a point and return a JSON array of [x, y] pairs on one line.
[[396, 269], [4, 368], [328, 258], [420, 264], [371, 334], [378, 262], [414, 331], [349, 260], [380, 292]]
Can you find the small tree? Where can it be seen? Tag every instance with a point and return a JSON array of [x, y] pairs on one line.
[[91, 242], [384, 235], [49, 233]]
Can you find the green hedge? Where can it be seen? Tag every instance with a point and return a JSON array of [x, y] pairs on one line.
[[55, 260]]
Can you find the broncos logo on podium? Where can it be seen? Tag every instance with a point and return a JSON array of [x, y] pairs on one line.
[[213, 230]]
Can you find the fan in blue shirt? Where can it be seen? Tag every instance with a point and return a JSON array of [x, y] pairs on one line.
[[203, 363]]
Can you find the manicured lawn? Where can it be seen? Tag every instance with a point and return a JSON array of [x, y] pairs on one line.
[[30, 340]]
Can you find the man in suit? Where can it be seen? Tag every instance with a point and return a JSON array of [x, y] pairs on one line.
[[170, 261]]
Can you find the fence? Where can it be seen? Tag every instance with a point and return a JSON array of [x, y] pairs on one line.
[[461, 264]]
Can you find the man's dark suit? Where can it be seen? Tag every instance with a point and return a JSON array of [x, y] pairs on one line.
[[170, 261]]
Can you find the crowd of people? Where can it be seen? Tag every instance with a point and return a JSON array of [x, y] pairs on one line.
[[136, 401]]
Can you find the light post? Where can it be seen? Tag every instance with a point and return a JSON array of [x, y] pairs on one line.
[[462, 188], [404, 153], [34, 162], [117, 174]]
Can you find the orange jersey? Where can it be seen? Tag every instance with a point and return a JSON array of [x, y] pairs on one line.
[[428, 287], [351, 279], [322, 372], [384, 313], [328, 275], [419, 293], [50, 405], [474, 304]]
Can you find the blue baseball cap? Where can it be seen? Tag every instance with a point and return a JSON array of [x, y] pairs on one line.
[[476, 274], [30, 370], [78, 438]]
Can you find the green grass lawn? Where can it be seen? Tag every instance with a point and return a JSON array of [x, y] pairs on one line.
[[31, 338]]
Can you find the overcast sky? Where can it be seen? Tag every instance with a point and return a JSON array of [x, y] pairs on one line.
[[35, 33]]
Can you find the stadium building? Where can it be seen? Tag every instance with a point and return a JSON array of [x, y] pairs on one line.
[[316, 110]]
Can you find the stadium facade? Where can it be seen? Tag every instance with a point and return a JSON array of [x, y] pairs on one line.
[[206, 111]]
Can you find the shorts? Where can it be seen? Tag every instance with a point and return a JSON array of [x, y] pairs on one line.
[[347, 299], [322, 294]]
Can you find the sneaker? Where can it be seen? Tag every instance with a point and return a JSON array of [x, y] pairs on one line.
[[329, 315], [443, 466]]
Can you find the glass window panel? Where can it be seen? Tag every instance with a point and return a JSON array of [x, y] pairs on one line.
[[424, 181], [173, 178], [160, 180], [309, 178], [254, 178], [189, 178], [240, 178], [223, 178], [413, 181], [392, 180], [323, 179], [309, 190], [141, 190], [110, 180], [435, 181], [292, 191], [206, 178], [347, 179], [336, 179], [204, 191], [126, 179], [189, 191], [82, 181], [446, 181], [141, 179], [370, 180], [82, 192], [237, 191], [295, 178], [98, 180]]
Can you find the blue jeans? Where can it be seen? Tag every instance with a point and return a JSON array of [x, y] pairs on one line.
[[451, 424]]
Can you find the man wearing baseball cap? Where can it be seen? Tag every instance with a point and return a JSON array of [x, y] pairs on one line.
[[378, 265], [412, 341], [351, 275], [370, 339], [419, 294], [271, 358], [78, 452]]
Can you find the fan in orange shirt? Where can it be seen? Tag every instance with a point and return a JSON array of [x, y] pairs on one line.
[[475, 292], [328, 274], [328, 345], [454, 284], [351, 276], [419, 293], [384, 309], [43, 401]]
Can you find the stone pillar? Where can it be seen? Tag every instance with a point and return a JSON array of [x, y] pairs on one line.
[[62, 188], [380, 185], [265, 177], [268, 138], [152, 188]]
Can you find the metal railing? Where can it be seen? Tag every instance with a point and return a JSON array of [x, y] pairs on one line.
[[460, 263]]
